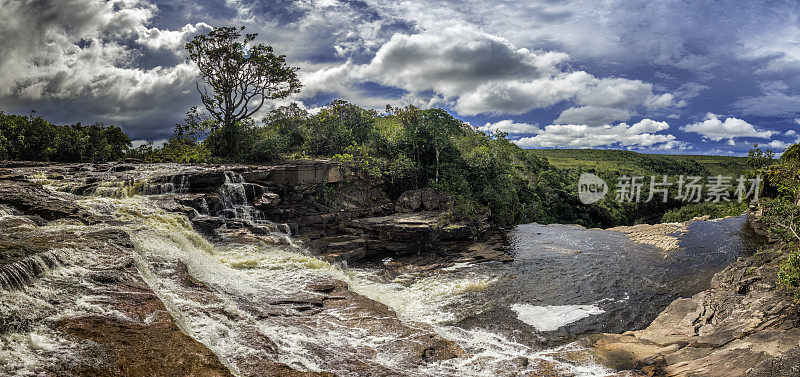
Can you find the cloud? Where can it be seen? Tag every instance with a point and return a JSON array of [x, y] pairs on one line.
[[172, 40], [769, 104], [639, 135], [480, 73], [715, 129], [592, 115], [78, 58], [455, 60], [576, 61], [673, 33], [510, 127], [776, 145]]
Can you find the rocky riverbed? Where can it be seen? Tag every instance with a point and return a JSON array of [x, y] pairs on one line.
[[743, 325], [308, 268]]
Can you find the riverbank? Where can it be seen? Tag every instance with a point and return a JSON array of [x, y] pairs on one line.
[[305, 268], [743, 325]]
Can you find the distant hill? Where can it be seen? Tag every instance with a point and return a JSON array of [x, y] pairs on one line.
[[618, 162]]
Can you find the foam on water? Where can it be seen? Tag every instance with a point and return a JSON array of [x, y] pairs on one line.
[[553, 317], [225, 317], [248, 274]]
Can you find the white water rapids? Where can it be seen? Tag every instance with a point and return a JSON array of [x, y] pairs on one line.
[[226, 313]]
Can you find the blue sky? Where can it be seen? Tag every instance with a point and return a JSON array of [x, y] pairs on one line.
[[665, 77]]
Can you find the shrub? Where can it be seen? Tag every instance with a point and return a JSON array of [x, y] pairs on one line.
[[714, 210], [35, 139], [789, 274]]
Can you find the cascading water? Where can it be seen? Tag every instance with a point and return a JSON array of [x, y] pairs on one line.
[[20, 273], [252, 302], [234, 200], [248, 283]]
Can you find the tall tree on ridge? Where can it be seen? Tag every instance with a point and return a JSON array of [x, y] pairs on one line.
[[241, 78]]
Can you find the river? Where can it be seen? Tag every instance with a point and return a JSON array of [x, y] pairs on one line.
[[518, 318]]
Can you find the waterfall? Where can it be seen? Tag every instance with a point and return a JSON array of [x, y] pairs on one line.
[[234, 200], [22, 272], [176, 184], [251, 302]]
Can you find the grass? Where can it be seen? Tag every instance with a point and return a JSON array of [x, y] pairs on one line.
[[633, 163]]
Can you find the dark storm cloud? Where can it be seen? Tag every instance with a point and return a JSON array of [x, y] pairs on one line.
[[81, 60], [579, 66]]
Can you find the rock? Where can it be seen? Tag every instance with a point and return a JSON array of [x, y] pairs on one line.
[[433, 200], [325, 288], [409, 201], [423, 200], [207, 224], [125, 167], [300, 173], [32, 199], [267, 200], [738, 327], [487, 252], [662, 236]]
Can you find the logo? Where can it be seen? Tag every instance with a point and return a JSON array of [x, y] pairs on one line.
[[591, 188]]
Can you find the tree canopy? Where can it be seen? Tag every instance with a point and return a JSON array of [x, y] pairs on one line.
[[35, 139], [241, 78]]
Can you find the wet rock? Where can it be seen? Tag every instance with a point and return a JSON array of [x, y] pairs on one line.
[[32, 199], [480, 252], [662, 236], [741, 326], [207, 224], [156, 349], [123, 167], [325, 288], [266, 200]]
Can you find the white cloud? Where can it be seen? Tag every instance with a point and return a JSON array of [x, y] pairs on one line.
[[639, 135], [173, 40], [592, 115], [790, 132], [477, 72], [510, 127], [715, 129], [779, 145], [78, 58], [456, 60]]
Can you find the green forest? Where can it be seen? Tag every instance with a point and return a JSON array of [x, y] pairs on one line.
[[404, 148], [35, 139]]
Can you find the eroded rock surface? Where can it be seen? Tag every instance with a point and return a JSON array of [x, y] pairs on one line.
[[79, 292], [72, 295], [742, 326]]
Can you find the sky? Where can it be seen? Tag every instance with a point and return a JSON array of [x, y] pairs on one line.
[[688, 77]]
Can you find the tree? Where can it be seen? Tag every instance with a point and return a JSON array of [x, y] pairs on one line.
[[758, 158], [792, 154], [241, 78]]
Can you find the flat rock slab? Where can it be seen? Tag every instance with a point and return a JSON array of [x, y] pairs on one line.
[[741, 326]]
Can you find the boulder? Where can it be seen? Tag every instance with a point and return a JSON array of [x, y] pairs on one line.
[[409, 201], [433, 200], [267, 200], [423, 200]]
